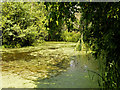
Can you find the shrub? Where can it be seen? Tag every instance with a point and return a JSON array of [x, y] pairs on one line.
[[70, 36]]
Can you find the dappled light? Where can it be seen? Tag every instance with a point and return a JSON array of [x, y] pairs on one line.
[[60, 45]]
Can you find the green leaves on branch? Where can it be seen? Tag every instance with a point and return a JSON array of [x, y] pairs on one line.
[[22, 23], [59, 14], [104, 35]]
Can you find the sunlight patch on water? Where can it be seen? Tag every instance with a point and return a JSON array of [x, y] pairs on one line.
[[32, 63], [14, 81], [52, 64]]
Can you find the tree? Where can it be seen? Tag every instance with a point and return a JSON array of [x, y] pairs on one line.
[[101, 30], [22, 23], [58, 14], [104, 35]]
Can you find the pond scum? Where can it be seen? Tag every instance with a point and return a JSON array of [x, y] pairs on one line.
[[33, 63]]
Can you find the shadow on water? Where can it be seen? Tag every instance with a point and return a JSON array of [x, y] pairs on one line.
[[52, 66], [76, 76], [17, 56]]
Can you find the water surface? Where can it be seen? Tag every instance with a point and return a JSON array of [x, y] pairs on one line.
[[76, 76], [49, 65]]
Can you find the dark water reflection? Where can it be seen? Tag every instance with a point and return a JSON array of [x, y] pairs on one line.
[[76, 76]]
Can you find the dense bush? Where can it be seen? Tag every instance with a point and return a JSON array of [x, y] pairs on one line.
[[70, 36], [22, 23], [104, 35]]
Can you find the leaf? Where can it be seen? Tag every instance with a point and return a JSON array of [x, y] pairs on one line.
[[22, 35], [10, 33], [57, 23]]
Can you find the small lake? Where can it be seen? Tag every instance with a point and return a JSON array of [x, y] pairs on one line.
[[76, 76], [51, 65]]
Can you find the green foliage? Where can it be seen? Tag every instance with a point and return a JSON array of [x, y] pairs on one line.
[[78, 46], [70, 36], [100, 23], [58, 14], [22, 23], [104, 36]]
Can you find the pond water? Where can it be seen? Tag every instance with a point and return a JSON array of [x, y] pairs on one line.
[[51, 65], [76, 76]]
